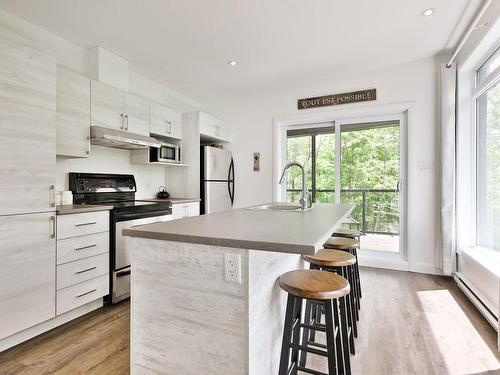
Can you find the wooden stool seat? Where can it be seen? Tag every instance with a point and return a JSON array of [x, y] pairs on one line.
[[314, 284], [331, 258], [340, 243], [345, 232]]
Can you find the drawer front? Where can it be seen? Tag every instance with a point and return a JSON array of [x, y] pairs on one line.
[[80, 294], [71, 249], [194, 209], [82, 270], [82, 224]]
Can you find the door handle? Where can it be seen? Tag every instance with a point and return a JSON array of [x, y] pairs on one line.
[[52, 196], [52, 227], [86, 270]]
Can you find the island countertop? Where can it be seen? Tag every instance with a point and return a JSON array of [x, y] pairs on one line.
[[294, 232]]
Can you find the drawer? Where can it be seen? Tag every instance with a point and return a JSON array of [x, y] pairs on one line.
[[71, 249], [80, 294], [82, 224], [82, 270]]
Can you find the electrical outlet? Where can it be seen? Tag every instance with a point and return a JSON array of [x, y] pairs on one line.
[[232, 268]]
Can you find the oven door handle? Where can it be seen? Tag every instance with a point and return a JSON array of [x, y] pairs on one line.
[[145, 215]]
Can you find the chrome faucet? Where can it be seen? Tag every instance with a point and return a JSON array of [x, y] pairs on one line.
[[305, 198]]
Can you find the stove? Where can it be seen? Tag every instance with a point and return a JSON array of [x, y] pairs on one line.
[[119, 191]]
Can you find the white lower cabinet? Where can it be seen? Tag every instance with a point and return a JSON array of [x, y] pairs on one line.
[[183, 210], [27, 271], [80, 294], [82, 259], [82, 270]]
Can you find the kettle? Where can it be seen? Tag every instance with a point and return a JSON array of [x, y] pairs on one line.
[[163, 193]]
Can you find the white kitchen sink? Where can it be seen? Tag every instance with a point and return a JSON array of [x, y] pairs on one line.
[[278, 207]]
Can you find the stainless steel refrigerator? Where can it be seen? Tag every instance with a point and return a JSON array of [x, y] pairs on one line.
[[217, 180]]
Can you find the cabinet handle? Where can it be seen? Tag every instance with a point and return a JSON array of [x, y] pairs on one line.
[[126, 122], [52, 196], [83, 224], [84, 294], [85, 247], [88, 146], [169, 127], [121, 121], [86, 270], [52, 227]]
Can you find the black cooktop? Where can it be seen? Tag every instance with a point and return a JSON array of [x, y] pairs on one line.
[[117, 190]]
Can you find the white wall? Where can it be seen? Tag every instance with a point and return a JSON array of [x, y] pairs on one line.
[[108, 160], [251, 118]]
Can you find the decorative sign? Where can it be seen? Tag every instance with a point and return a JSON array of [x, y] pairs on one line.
[[336, 99]]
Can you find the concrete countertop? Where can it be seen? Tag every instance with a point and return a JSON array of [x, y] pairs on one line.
[[67, 209], [267, 230], [172, 200]]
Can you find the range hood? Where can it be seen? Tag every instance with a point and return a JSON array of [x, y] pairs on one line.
[[120, 139]]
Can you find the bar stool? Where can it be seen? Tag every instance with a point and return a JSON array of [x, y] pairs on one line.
[[325, 289], [350, 245], [348, 233], [342, 263]]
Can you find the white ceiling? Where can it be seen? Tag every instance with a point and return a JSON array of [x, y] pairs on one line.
[[186, 44]]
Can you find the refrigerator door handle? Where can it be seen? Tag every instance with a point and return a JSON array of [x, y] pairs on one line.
[[230, 181]]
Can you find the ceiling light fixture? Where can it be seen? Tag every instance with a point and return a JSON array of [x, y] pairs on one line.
[[429, 12], [233, 63]]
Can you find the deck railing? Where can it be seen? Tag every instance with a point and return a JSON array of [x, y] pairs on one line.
[[376, 211]]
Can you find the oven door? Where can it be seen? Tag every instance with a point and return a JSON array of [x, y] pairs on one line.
[[123, 243], [121, 273]]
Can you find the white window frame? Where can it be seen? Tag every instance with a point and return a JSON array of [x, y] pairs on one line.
[[403, 112]]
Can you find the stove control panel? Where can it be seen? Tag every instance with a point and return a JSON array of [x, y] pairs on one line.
[[82, 183]]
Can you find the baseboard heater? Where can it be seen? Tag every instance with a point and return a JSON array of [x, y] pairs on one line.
[[477, 299]]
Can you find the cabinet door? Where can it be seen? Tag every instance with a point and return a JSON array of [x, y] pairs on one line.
[[179, 211], [73, 113], [27, 279], [136, 111], [27, 129], [207, 125], [106, 108], [165, 121], [194, 209], [174, 121]]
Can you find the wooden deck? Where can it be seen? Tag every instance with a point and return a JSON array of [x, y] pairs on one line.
[[380, 242]]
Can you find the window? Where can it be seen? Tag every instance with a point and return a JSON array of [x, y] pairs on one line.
[[488, 155], [488, 66]]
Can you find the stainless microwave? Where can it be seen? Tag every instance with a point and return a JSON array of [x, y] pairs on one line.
[[167, 153]]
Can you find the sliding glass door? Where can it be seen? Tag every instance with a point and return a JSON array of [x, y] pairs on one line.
[[368, 158]]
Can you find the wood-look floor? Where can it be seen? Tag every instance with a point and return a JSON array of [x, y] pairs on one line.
[[410, 324]]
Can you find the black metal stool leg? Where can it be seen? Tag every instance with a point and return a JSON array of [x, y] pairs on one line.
[[330, 337], [306, 332], [345, 336], [287, 335]]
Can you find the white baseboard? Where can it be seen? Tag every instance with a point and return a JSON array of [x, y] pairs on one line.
[[392, 263], [426, 268], [478, 299], [31, 332]]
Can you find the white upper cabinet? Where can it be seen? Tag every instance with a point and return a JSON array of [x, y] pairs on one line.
[[106, 106], [164, 121], [73, 114], [27, 129], [117, 109], [214, 129], [136, 112]]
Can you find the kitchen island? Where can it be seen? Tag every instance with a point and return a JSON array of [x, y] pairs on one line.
[[190, 316]]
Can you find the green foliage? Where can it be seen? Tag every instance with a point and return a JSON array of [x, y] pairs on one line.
[[370, 160]]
